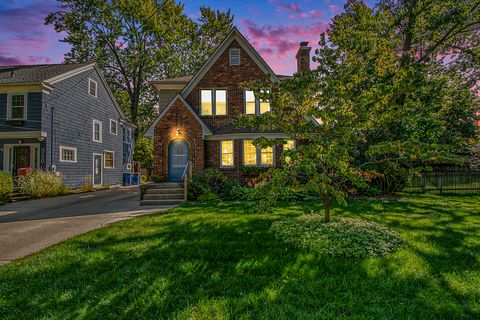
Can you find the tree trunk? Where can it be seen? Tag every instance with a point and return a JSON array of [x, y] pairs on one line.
[[327, 203]]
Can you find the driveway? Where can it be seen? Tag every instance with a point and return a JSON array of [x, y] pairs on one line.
[[29, 226]]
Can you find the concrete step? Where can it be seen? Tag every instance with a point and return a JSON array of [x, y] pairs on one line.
[[164, 191], [160, 202], [159, 196]]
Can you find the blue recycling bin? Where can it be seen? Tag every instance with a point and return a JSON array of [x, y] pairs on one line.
[[127, 179], [136, 179]]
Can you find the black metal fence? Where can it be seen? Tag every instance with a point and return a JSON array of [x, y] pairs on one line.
[[462, 182]]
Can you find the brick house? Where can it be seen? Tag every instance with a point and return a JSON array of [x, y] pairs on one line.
[[193, 122]]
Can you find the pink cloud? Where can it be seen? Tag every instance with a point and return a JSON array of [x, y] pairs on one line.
[[281, 6], [334, 8], [278, 45]]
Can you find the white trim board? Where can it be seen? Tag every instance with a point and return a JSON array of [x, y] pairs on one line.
[[151, 130], [247, 136]]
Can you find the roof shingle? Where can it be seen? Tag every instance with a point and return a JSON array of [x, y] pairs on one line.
[[35, 73]]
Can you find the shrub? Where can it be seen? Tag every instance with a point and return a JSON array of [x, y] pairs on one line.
[[6, 186], [86, 188], [208, 197], [213, 181], [42, 184], [343, 237]]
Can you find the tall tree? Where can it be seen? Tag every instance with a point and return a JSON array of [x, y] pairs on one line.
[[409, 79], [135, 41]]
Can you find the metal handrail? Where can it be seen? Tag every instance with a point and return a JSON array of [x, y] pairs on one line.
[[185, 170], [185, 181]]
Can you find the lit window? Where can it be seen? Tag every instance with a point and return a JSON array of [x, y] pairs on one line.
[[234, 57], [265, 105], [226, 150], [220, 102], [68, 154], [18, 106], [249, 102], [266, 156], [255, 106], [113, 127], [249, 153], [290, 145], [206, 103], [108, 159], [97, 131], [213, 102], [92, 88]]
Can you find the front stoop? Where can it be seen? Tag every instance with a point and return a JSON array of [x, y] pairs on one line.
[[161, 194]]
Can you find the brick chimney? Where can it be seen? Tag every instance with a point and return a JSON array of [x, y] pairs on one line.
[[303, 57]]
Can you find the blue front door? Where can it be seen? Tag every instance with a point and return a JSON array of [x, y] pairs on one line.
[[177, 159]]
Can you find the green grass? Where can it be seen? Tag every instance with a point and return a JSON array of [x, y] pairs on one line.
[[221, 261]]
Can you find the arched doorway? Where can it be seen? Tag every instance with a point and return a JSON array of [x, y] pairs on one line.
[[178, 152]]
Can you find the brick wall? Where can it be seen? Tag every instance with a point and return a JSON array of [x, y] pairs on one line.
[[223, 76], [178, 116]]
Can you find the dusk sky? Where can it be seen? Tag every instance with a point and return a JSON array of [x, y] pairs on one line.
[[274, 27]]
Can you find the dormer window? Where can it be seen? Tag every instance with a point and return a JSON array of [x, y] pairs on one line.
[[92, 88], [234, 55]]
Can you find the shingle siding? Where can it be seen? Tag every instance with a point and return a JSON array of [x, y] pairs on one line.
[[34, 113], [73, 113]]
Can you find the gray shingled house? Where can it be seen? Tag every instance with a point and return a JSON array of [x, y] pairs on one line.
[[63, 117]]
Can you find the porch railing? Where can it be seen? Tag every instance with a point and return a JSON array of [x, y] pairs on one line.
[[187, 173]]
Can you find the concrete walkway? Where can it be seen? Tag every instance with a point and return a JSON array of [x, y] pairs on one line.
[[29, 226]]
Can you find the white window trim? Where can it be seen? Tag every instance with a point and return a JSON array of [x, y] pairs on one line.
[[233, 155], [258, 157], [104, 159], [116, 126], [74, 154], [96, 87], [214, 102], [9, 106], [257, 105], [93, 131], [230, 57]]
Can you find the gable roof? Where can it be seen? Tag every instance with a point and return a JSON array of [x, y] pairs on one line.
[[150, 131], [243, 42], [28, 74]]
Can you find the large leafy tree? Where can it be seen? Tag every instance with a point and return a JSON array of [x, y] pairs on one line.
[[408, 68], [135, 41], [387, 101]]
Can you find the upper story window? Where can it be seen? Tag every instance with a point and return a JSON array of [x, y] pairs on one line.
[[113, 127], [253, 156], [92, 87], [68, 154], [213, 102], [234, 56], [97, 131], [254, 106], [226, 153], [18, 107]]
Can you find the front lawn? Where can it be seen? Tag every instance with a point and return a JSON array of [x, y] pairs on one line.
[[222, 261]]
